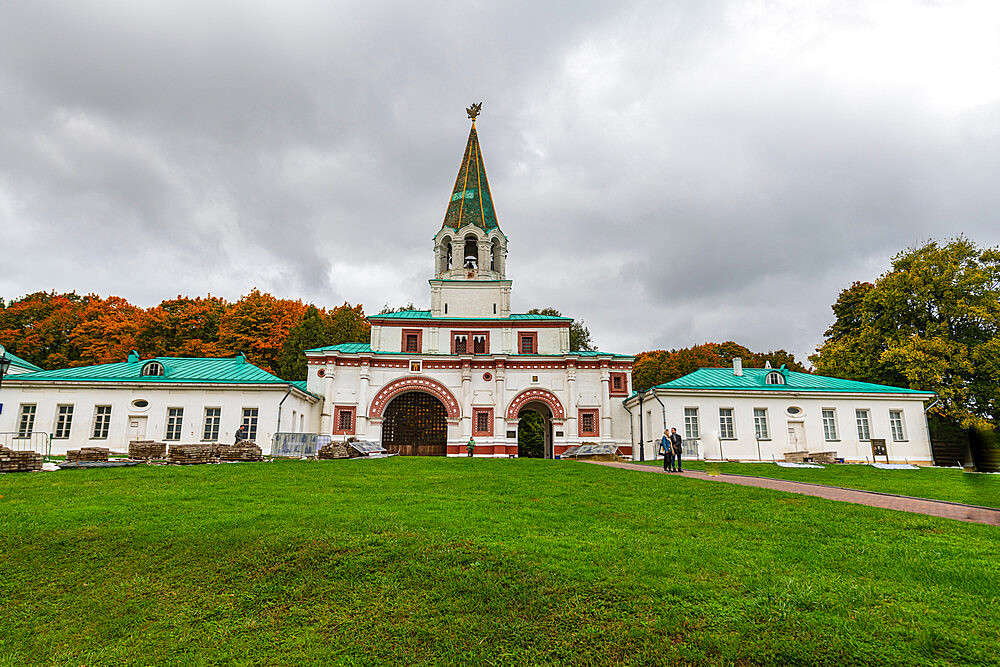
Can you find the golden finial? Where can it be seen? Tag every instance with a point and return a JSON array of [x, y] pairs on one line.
[[473, 111]]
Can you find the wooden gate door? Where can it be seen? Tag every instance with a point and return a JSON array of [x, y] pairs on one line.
[[415, 424]]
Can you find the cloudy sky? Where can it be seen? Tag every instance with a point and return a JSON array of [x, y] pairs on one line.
[[670, 172]]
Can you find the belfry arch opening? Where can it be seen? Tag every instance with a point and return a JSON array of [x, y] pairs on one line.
[[415, 423], [534, 431], [470, 257]]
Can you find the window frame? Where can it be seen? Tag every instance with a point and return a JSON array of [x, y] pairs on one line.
[[486, 342], [689, 420], [595, 413], [152, 369], [832, 423], [760, 421], [250, 421], [26, 419], [732, 424], [776, 376], [338, 411], [174, 426], [621, 391], [102, 423], [63, 427], [476, 414], [419, 334], [215, 425], [454, 342], [867, 422], [530, 336], [902, 426]]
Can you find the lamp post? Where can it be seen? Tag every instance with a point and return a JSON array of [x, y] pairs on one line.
[[642, 451], [4, 363]]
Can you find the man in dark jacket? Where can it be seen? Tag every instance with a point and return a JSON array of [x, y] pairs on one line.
[[241, 433], [675, 445]]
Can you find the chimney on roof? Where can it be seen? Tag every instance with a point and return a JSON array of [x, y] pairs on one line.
[[767, 364], [737, 366], [133, 357], [241, 358]]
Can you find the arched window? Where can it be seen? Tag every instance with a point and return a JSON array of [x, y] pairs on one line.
[[470, 258], [152, 368], [774, 378]]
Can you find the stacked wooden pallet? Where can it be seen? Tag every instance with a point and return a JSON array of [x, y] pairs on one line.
[[191, 454], [333, 450], [14, 461], [146, 449], [244, 450], [87, 454]]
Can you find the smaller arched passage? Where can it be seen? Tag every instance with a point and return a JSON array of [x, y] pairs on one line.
[[536, 395], [534, 431]]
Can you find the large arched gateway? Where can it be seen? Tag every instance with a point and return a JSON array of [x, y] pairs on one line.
[[415, 423]]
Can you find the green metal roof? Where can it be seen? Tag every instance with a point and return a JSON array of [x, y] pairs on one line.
[[21, 363], [365, 348], [471, 202], [175, 369], [754, 378], [426, 315]]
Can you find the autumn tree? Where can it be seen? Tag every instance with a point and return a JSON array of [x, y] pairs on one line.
[[257, 325], [39, 328], [659, 366], [579, 334], [108, 330], [931, 322], [184, 327]]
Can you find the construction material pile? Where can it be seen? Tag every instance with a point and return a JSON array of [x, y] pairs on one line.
[[87, 454], [146, 449], [14, 461], [333, 450], [810, 457], [191, 454], [245, 450]]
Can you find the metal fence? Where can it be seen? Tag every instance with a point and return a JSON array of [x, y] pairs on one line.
[[297, 444], [33, 442]]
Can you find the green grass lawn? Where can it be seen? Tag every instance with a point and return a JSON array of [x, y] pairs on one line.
[[938, 483], [512, 562]]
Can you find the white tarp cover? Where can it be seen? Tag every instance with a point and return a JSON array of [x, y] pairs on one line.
[[782, 464], [895, 466]]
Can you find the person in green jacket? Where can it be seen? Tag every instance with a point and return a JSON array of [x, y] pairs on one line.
[[471, 446]]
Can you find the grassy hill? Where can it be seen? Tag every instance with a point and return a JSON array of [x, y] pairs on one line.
[[476, 561]]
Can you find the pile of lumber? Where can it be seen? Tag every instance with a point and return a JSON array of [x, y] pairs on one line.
[[333, 450], [191, 454], [810, 457], [146, 449], [245, 450], [14, 461], [87, 454]]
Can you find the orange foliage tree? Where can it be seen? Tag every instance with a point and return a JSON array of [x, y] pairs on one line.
[[659, 366], [257, 325]]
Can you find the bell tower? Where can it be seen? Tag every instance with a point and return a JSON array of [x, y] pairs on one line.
[[470, 251]]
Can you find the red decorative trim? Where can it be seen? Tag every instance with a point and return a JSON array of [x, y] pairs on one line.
[[481, 363], [321, 372], [527, 335], [470, 344], [415, 383], [543, 395], [476, 412], [596, 431], [622, 388], [337, 409], [441, 322], [419, 333], [487, 376]]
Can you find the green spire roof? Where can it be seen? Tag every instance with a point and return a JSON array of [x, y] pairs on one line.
[[471, 202]]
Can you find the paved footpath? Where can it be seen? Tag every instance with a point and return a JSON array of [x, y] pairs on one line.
[[941, 508]]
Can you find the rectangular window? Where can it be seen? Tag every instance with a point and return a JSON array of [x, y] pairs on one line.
[[896, 425], [864, 430], [619, 384], [412, 340], [64, 421], [175, 423], [588, 424], [102, 422], [461, 344], [527, 343], [250, 423], [479, 344], [691, 424], [727, 429], [212, 418], [26, 422], [344, 419], [482, 421], [829, 425], [760, 424]]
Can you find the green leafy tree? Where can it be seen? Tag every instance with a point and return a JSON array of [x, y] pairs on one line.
[[931, 322], [314, 330], [579, 334], [348, 324], [386, 309], [531, 435]]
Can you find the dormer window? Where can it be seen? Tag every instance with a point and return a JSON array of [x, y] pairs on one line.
[[774, 378], [152, 368]]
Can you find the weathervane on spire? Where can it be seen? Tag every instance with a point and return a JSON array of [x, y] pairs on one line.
[[473, 111]]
